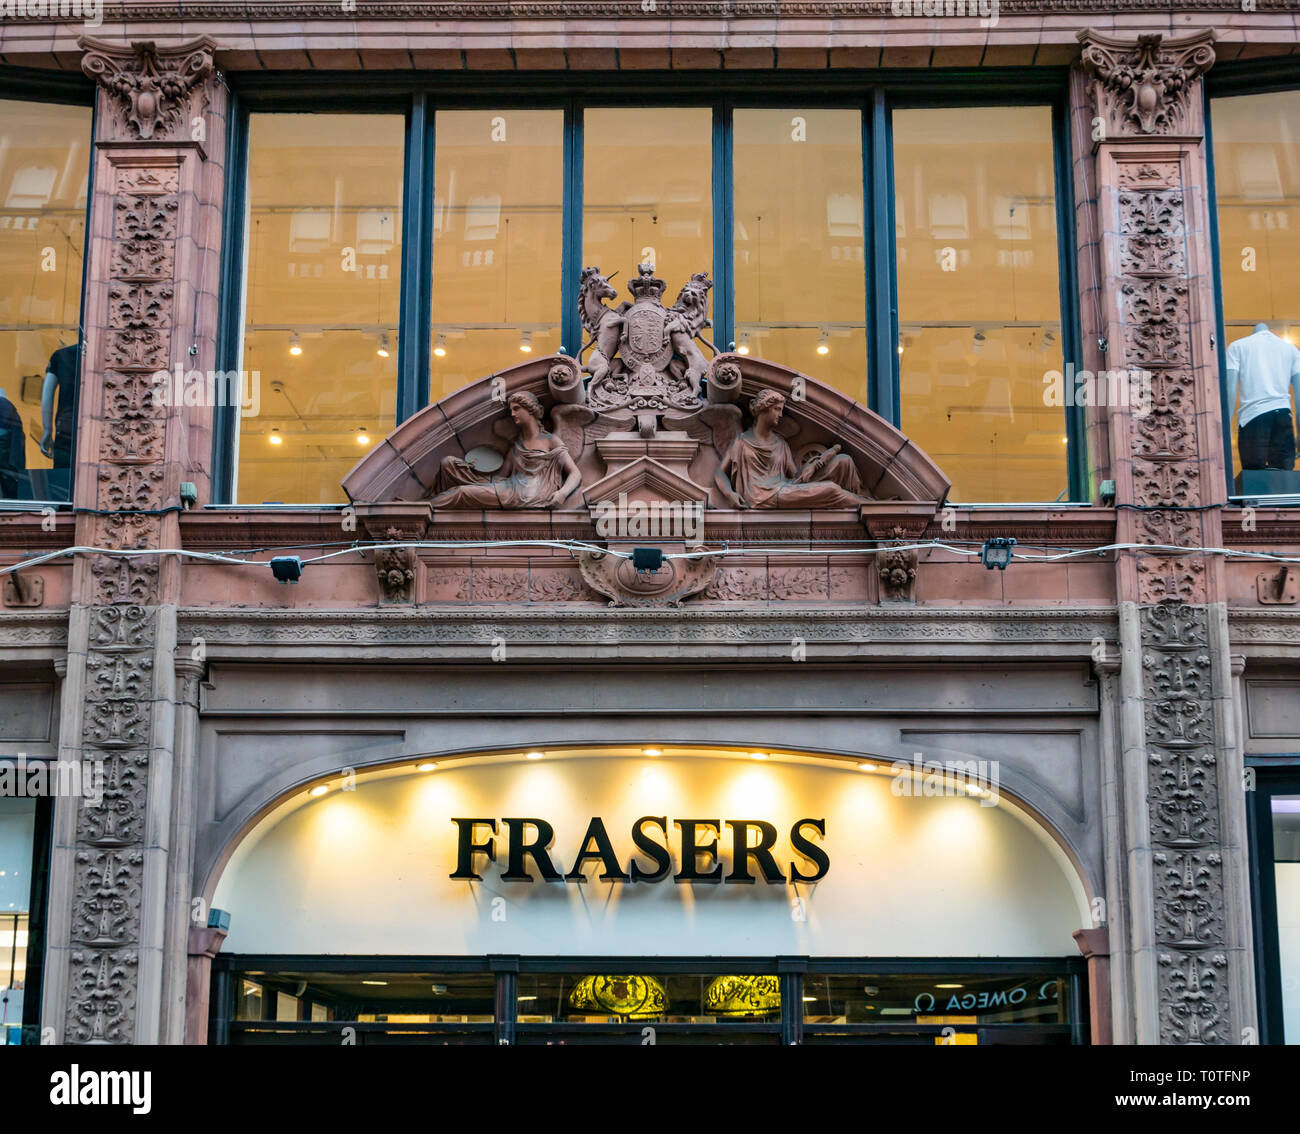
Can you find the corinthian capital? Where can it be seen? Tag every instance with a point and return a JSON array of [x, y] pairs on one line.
[[155, 90], [1144, 88]]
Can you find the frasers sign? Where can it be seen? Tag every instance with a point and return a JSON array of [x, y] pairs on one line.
[[709, 850]]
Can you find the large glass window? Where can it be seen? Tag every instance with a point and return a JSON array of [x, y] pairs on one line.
[[648, 192], [1257, 183], [800, 272], [497, 239], [44, 172], [521, 199], [322, 295], [979, 298]]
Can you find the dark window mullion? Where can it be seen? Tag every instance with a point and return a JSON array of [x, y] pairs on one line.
[[230, 332], [415, 314], [724, 283], [1076, 431], [882, 289], [571, 263]]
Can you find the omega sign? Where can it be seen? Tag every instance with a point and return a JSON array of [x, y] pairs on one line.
[[699, 843]]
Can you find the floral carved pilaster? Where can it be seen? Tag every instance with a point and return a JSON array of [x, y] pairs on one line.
[[154, 122], [1155, 259]]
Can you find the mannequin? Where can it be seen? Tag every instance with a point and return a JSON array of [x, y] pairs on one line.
[[1266, 369], [13, 448], [58, 424]]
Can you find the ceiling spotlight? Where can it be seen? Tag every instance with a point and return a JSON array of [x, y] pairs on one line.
[[526, 342], [824, 343], [363, 438], [440, 347], [742, 347], [867, 766], [274, 438], [295, 344], [534, 755], [383, 345], [427, 766], [758, 755], [320, 789], [652, 751]]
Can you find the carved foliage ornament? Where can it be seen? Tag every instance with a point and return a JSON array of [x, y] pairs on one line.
[[152, 86], [1146, 88]]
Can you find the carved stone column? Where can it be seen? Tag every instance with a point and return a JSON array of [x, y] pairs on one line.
[[1186, 882], [160, 113]]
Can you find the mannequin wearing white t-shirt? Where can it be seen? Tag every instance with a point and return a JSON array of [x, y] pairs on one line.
[[1265, 370]]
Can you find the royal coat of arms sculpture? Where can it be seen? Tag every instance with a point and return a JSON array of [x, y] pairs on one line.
[[644, 357]]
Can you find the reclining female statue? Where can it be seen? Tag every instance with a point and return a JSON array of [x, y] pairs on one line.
[[538, 471]]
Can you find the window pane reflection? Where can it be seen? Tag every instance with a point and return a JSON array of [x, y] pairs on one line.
[[979, 299], [17, 837], [1286, 876], [1257, 183], [799, 251], [497, 238], [321, 306], [648, 193], [44, 171]]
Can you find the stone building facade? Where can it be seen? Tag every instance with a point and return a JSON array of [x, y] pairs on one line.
[[1129, 696]]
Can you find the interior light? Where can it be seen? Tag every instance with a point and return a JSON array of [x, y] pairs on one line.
[[534, 755], [949, 986], [427, 766], [973, 789], [809, 999], [742, 347], [295, 344], [383, 345], [525, 997], [320, 789], [440, 347], [526, 342], [274, 438], [758, 755], [363, 438], [824, 343], [867, 766], [1065, 440], [375, 982], [652, 751]]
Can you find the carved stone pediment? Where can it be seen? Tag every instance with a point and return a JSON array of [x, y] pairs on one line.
[[645, 480], [407, 466]]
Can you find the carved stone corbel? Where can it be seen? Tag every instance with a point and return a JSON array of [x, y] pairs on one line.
[[623, 585], [1144, 88], [156, 91]]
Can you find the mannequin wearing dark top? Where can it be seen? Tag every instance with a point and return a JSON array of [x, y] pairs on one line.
[[59, 424]]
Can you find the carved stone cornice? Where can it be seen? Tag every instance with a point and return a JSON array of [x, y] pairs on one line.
[[676, 10], [1144, 89], [155, 90]]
